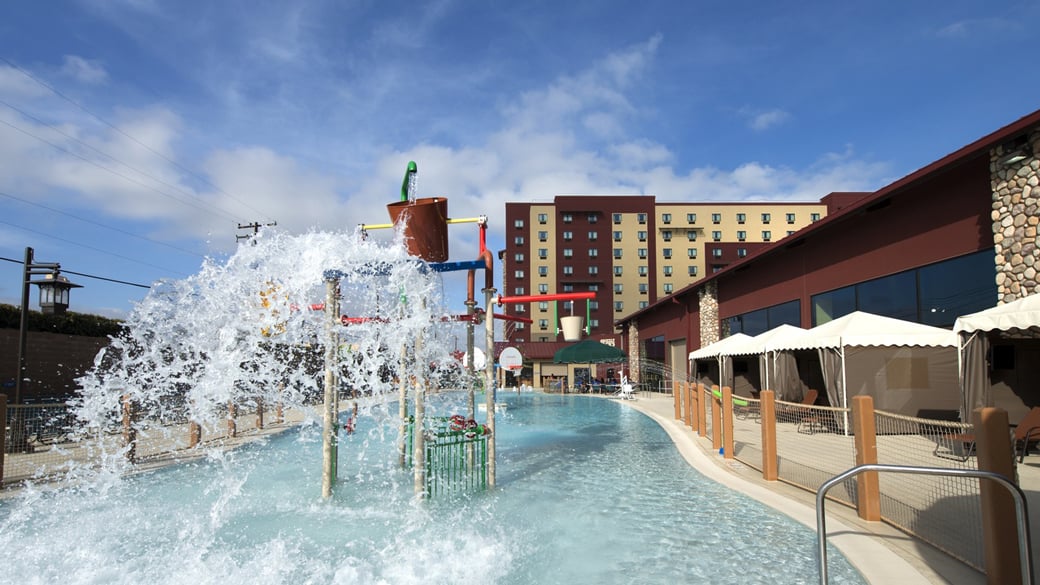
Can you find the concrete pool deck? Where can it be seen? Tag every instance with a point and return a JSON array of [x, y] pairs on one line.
[[878, 551]]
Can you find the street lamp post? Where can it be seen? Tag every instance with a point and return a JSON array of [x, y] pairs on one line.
[[54, 300]]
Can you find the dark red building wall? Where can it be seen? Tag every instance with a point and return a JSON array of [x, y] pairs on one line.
[[941, 218]]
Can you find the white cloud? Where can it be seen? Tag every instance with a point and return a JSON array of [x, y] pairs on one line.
[[84, 71], [767, 120]]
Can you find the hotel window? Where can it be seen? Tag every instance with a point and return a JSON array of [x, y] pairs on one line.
[[518, 223], [666, 218], [592, 218], [617, 236], [543, 271], [766, 217], [644, 304], [814, 217], [741, 252], [619, 306], [741, 236], [593, 236], [666, 252], [617, 271], [716, 236], [667, 270], [789, 232], [617, 218], [741, 217], [543, 236], [521, 325], [518, 273], [691, 252], [643, 287], [716, 252], [567, 218], [519, 240], [593, 305], [568, 288], [568, 252], [543, 323], [542, 288], [716, 218], [593, 253], [642, 271], [542, 218], [543, 305], [691, 218], [642, 252], [666, 235], [766, 235], [518, 257], [668, 288], [618, 288], [521, 308], [568, 270], [518, 290], [568, 236], [594, 323], [593, 269], [617, 253], [641, 218], [691, 236], [790, 218], [543, 253], [593, 287], [691, 270], [641, 236]]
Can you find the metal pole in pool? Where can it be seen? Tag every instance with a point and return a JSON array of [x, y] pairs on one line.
[[418, 437], [489, 381], [328, 436]]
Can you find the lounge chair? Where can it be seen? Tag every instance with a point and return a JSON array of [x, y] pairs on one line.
[[961, 446], [811, 421], [626, 391]]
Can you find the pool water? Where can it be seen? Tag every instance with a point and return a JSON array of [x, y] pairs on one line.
[[588, 491]]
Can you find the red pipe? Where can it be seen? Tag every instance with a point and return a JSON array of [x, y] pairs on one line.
[[572, 296]]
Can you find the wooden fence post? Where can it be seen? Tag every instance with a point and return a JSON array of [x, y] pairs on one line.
[[232, 412], [716, 420], [676, 396], [695, 403], [868, 489], [727, 422], [129, 431], [259, 413], [999, 533], [702, 405], [768, 416]]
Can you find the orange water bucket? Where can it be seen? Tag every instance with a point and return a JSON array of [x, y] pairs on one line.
[[425, 223]]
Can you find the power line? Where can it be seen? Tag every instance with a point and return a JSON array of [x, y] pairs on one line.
[[86, 275], [106, 252], [101, 152], [143, 145], [115, 229]]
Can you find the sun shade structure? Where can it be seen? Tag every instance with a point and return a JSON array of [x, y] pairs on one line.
[[752, 365], [1000, 357], [709, 355], [907, 367], [589, 351]]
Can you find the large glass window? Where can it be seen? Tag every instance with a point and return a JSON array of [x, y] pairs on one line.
[[935, 294], [762, 320]]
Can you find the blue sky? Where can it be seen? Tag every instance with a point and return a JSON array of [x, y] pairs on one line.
[[135, 135]]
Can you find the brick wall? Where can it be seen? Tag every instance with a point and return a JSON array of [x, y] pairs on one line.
[[53, 362]]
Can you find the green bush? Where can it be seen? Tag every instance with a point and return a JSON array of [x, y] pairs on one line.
[[68, 324]]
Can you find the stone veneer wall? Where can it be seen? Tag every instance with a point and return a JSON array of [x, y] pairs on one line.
[[634, 353], [1016, 213], [708, 299]]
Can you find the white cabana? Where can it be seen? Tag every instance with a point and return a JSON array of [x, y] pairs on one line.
[[710, 354], [907, 367], [762, 365], [1000, 357]]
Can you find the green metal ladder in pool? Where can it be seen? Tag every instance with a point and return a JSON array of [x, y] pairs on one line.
[[455, 459]]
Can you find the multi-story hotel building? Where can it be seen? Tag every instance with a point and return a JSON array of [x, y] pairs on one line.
[[630, 250]]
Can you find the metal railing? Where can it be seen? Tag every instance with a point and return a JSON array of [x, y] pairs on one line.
[[1021, 511]]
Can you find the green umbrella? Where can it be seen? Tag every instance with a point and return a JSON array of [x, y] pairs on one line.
[[589, 351]]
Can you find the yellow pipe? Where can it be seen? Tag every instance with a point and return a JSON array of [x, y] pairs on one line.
[[376, 226], [466, 220]]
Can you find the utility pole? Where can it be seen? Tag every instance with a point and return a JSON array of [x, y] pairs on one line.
[[255, 226]]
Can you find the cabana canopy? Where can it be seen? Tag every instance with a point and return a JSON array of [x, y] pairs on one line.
[[756, 346], [907, 367], [712, 352], [999, 351]]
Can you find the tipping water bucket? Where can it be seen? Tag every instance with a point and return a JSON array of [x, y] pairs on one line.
[[425, 226], [571, 326]]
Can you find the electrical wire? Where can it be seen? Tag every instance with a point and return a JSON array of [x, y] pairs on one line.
[[95, 277], [143, 145]]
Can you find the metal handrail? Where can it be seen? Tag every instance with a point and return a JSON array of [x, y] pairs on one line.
[[1021, 510]]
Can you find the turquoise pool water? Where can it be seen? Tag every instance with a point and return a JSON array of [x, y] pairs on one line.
[[589, 491]]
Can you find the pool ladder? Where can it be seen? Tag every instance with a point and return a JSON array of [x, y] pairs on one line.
[[1021, 515]]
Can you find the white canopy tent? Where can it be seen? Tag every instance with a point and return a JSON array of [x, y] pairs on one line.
[[713, 351], [907, 367], [756, 346], [999, 357]]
